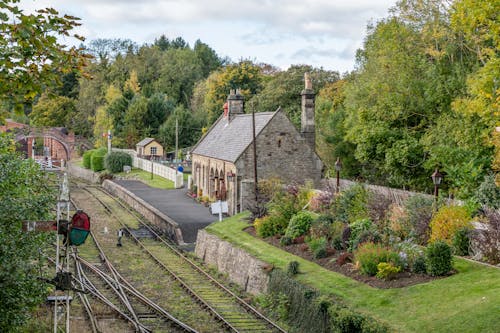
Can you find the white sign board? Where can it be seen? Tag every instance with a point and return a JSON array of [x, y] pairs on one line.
[[219, 207]]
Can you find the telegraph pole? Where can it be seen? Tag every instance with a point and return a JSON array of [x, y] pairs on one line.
[[256, 187], [176, 138]]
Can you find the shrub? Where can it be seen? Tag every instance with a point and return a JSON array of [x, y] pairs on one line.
[[293, 268], [321, 227], [344, 320], [378, 207], [387, 271], [438, 258], [461, 242], [369, 255], [321, 201], [263, 226], [116, 160], [318, 247], [307, 311], [86, 158], [97, 159], [357, 229], [486, 240], [346, 235], [299, 224], [350, 205], [447, 221], [419, 210], [488, 193], [398, 226], [409, 253], [419, 266]]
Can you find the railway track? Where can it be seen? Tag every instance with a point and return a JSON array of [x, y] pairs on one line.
[[230, 310], [140, 311]]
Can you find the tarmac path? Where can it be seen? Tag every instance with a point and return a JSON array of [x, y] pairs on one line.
[[190, 215]]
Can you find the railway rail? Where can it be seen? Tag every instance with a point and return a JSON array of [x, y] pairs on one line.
[[229, 309], [125, 300]]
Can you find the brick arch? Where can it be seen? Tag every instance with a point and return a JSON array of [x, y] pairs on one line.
[[65, 142]]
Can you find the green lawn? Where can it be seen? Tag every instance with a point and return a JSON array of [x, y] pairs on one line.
[[468, 301], [144, 176]]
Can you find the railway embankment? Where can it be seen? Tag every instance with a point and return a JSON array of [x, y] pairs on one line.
[[241, 268]]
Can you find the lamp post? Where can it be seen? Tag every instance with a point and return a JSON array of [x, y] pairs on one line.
[[437, 177], [338, 167]]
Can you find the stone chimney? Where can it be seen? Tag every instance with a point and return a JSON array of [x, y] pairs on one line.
[[235, 104], [307, 115]]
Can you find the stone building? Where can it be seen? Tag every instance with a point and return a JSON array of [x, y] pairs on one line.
[[223, 160]]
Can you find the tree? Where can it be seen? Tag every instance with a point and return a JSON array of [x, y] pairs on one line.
[[31, 58], [159, 107], [207, 56], [180, 70], [284, 88], [188, 126], [244, 75], [25, 194], [55, 111], [331, 131]]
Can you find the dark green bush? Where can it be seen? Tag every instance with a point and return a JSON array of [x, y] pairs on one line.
[[299, 224], [293, 268], [438, 258], [369, 255], [97, 159], [318, 247], [115, 161], [419, 266], [86, 158], [461, 242]]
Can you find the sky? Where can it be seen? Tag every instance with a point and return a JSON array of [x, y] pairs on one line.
[[322, 33]]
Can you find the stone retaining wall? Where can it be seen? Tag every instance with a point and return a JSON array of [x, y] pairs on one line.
[[240, 266], [86, 174], [158, 219]]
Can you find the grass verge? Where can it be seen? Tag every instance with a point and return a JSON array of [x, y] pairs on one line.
[[144, 176], [468, 301]]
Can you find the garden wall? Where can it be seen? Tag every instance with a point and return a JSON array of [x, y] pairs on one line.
[[161, 221], [86, 174], [396, 195], [241, 267]]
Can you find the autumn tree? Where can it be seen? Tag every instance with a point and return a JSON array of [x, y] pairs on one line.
[[32, 58]]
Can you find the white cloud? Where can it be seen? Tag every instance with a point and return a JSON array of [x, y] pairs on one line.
[[304, 30]]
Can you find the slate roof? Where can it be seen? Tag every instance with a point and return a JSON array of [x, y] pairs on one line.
[[145, 142], [228, 140]]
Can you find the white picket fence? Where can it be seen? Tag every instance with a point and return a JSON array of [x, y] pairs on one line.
[[156, 168]]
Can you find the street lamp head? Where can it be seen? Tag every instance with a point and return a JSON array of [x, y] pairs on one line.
[[338, 164], [437, 177]]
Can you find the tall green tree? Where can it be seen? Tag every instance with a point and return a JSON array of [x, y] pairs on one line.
[[25, 194], [188, 127]]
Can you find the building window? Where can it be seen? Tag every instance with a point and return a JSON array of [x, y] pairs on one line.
[[153, 150], [279, 143]]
